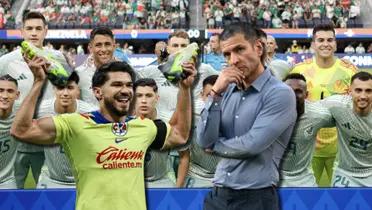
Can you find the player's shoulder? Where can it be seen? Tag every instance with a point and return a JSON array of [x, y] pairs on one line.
[[85, 106], [346, 64], [47, 104], [302, 65], [14, 55]]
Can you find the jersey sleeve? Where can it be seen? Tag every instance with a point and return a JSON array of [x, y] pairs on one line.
[[148, 72], [163, 131], [337, 101], [64, 127]]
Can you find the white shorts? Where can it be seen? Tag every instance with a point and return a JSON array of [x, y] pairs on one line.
[[9, 184], [341, 178], [305, 179], [45, 182], [164, 182], [198, 182]]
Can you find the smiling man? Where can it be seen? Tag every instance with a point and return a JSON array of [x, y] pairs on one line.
[[34, 30], [106, 147], [326, 75], [354, 125], [101, 48], [8, 95]]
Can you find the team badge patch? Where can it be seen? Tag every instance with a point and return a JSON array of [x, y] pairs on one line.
[[119, 129]]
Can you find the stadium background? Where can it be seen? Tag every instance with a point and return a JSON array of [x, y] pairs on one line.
[[141, 42]]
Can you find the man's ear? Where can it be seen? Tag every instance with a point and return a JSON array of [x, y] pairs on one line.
[[97, 91], [259, 46]]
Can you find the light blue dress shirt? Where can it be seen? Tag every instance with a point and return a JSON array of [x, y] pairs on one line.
[[250, 129]]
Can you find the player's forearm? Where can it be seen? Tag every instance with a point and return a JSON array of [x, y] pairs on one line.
[[181, 119], [183, 167], [23, 120]]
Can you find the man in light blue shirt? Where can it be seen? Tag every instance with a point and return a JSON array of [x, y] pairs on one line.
[[248, 121], [214, 58]]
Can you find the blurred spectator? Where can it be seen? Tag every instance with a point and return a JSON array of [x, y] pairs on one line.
[[127, 49], [80, 50], [341, 22], [267, 18], [160, 49], [360, 49], [214, 57], [3, 50], [278, 67], [294, 47], [354, 10], [349, 49], [63, 49], [369, 48], [49, 46], [276, 22], [218, 14]]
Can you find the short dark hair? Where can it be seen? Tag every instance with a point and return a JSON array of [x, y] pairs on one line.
[[74, 77], [100, 75], [179, 33], [261, 33], [101, 30], [323, 27], [143, 82], [250, 33], [362, 75], [27, 15], [295, 76], [9, 78], [210, 80]]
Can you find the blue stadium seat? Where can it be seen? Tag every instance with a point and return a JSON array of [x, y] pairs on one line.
[[350, 23], [260, 23], [326, 20], [309, 23], [316, 21], [301, 23], [358, 23], [69, 25], [52, 25], [86, 26]]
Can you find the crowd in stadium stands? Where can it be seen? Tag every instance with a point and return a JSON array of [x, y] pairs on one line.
[[132, 14], [135, 14], [283, 13], [358, 50], [7, 19]]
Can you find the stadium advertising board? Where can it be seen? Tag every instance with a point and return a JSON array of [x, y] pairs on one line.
[[360, 60], [193, 33]]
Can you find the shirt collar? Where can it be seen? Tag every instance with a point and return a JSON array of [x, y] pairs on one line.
[[100, 119], [261, 80]]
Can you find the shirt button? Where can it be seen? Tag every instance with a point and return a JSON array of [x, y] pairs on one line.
[[228, 174], [216, 104], [243, 98], [236, 116]]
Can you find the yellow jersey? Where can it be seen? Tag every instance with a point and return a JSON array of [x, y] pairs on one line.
[[321, 83], [108, 158]]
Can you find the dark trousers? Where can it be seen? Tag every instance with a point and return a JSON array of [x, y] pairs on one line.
[[221, 198]]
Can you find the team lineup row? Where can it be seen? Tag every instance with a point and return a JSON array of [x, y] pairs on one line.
[[106, 139]]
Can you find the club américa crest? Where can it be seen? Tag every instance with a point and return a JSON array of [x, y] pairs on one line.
[[119, 129]]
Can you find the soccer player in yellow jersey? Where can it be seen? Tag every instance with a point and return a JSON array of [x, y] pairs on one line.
[[106, 147], [326, 75]]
